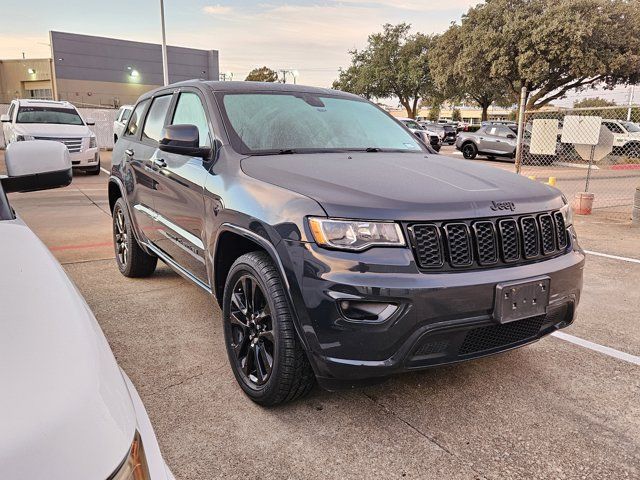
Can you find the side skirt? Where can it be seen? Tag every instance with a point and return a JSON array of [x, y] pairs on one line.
[[177, 268]]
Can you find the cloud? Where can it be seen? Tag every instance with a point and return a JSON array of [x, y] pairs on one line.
[[414, 5], [217, 9]]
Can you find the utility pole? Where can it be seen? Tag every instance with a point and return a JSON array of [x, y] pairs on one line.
[[631, 94], [523, 106], [165, 66]]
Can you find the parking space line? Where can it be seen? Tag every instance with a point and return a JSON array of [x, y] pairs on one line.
[[613, 257], [626, 357], [105, 171]]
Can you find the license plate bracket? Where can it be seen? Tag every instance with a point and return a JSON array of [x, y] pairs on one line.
[[521, 299]]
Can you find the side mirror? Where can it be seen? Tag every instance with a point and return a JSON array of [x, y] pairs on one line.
[[36, 165], [90, 121], [5, 118], [183, 140]]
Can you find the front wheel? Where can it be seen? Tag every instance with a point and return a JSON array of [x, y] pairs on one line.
[[265, 353], [469, 151]]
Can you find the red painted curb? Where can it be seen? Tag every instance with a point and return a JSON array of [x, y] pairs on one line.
[[630, 166]]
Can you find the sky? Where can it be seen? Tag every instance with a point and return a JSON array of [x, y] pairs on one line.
[[310, 36]]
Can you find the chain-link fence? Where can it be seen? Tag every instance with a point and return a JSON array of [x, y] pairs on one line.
[[592, 155], [103, 127]]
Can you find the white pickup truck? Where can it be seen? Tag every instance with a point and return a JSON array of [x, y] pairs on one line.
[[626, 137]]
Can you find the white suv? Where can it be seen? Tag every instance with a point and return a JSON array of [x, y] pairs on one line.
[[121, 121], [57, 121]]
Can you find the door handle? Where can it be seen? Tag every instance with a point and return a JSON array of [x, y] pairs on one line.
[[159, 162], [128, 152]]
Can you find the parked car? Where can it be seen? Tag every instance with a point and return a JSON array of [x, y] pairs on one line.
[[121, 121], [506, 123], [428, 135], [626, 137], [56, 121], [492, 140], [67, 410], [338, 246], [446, 132]]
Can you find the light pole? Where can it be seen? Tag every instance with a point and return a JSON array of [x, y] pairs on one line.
[[165, 66]]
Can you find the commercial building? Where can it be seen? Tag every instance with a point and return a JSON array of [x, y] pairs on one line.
[[99, 71]]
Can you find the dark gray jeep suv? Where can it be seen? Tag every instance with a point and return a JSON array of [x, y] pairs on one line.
[[340, 248]]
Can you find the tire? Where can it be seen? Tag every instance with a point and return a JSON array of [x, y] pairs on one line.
[[263, 329], [95, 170], [469, 151], [132, 261]]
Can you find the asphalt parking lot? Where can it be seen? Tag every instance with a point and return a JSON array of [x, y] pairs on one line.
[[550, 410]]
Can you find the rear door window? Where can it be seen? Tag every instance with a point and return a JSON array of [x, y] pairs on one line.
[[136, 119], [155, 121]]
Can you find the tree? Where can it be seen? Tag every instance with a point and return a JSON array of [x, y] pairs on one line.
[[462, 76], [434, 113], [552, 47], [595, 102], [456, 116], [395, 63], [262, 74]]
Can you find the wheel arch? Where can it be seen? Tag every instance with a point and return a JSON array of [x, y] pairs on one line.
[[232, 242]]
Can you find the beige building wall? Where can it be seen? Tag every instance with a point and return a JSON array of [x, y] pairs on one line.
[[89, 92], [469, 115], [25, 78]]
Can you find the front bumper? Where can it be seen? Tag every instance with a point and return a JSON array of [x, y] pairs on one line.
[[158, 469], [441, 318], [87, 158]]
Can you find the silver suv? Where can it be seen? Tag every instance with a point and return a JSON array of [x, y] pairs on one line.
[[490, 140]]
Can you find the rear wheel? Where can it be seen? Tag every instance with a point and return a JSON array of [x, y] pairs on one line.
[[469, 151], [265, 353], [132, 261]]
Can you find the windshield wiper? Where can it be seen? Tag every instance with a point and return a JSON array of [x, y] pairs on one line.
[[286, 151], [372, 149]]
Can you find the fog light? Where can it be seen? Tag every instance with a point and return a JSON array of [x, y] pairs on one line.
[[363, 311]]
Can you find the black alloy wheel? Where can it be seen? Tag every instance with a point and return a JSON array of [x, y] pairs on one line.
[[132, 261], [469, 151], [253, 341], [266, 355], [120, 235]]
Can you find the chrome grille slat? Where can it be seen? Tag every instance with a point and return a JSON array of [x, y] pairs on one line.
[[74, 144], [488, 242]]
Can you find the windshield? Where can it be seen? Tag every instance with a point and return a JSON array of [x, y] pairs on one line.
[[40, 114], [631, 127], [412, 124], [5, 211], [269, 122]]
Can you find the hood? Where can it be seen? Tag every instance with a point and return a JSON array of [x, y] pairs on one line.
[[51, 130], [402, 186], [65, 410]]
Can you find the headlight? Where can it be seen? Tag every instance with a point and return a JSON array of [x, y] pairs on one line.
[[355, 234], [567, 212], [24, 138], [92, 142], [134, 466]]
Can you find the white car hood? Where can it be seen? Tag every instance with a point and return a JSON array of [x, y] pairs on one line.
[[65, 411], [51, 130]]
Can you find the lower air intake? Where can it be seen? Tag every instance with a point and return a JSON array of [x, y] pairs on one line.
[[495, 336]]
